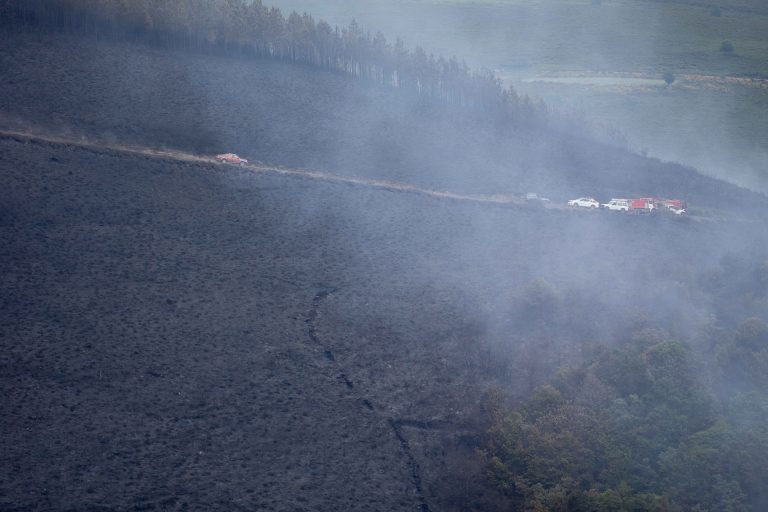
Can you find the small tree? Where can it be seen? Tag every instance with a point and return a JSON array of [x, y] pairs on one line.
[[715, 11], [669, 78]]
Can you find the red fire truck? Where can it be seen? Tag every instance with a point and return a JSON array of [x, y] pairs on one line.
[[642, 205], [652, 205]]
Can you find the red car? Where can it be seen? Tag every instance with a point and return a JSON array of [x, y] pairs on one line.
[[231, 158]]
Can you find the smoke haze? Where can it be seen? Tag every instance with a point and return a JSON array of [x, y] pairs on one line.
[[313, 344], [606, 60]]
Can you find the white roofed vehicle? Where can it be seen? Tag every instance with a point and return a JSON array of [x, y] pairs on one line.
[[584, 202], [619, 205], [676, 206], [532, 196], [231, 158]]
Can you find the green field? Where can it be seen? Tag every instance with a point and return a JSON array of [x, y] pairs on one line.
[[707, 118], [717, 127]]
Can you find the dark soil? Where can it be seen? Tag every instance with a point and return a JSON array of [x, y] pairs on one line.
[[181, 336], [153, 364]]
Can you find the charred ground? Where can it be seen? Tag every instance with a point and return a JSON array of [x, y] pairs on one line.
[[193, 336], [179, 335]]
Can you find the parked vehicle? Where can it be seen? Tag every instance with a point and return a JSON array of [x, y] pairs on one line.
[[620, 205], [231, 158], [532, 196], [676, 206], [642, 205], [584, 202], [670, 208], [675, 203]]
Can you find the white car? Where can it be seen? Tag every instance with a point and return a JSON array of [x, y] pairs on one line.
[[531, 196], [619, 205], [676, 211], [584, 202]]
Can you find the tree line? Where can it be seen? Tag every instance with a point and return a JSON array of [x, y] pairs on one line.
[[635, 429], [251, 28], [645, 421]]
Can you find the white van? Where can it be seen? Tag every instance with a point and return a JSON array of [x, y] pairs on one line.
[[620, 205]]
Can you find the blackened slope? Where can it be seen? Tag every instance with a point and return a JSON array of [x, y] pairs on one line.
[[155, 335], [154, 352], [299, 116]]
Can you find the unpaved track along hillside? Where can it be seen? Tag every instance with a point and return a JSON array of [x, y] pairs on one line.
[[393, 186], [318, 175]]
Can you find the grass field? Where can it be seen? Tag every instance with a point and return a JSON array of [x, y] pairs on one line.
[[715, 124]]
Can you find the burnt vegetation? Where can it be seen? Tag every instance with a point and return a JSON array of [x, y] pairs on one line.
[[311, 344], [225, 340]]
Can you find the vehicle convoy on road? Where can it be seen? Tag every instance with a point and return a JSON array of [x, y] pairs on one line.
[[642, 205], [646, 205], [231, 158], [584, 202]]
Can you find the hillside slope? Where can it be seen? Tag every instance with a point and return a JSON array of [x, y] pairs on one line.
[[161, 356], [299, 116], [182, 336]]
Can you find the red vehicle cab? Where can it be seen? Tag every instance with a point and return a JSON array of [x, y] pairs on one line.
[[642, 205], [231, 158]]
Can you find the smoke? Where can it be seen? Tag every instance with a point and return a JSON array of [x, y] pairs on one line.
[[504, 294], [607, 59]]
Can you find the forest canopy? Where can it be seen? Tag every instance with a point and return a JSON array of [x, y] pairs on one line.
[[251, 28]]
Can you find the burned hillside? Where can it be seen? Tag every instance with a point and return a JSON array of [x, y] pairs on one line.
[[181, 334]]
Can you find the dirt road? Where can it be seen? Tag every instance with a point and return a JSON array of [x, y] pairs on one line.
[[262, 168]]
